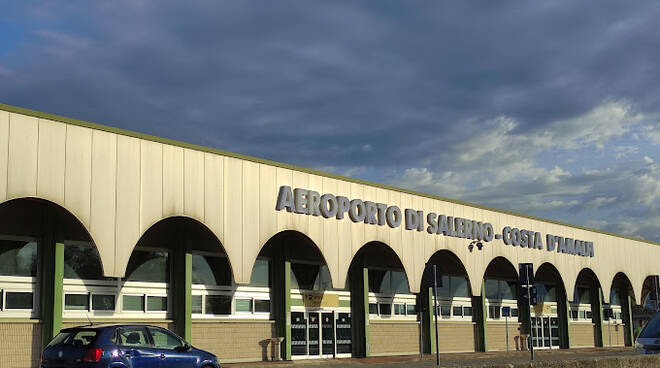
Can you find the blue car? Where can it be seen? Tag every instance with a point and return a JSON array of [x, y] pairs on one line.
[[123, 346]]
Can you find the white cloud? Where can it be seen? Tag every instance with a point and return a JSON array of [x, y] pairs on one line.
[[648, 160]]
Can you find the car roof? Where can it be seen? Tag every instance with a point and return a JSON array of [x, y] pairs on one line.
[[106, 325]]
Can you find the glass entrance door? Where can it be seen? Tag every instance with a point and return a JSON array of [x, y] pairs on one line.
[[545, 332], [320, 334]]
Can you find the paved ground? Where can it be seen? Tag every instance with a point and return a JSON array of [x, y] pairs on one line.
[[447, 360]]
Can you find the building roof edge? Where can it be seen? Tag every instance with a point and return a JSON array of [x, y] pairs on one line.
[[125, 132]]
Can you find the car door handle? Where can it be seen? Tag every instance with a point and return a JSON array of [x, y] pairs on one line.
[[162, 356]]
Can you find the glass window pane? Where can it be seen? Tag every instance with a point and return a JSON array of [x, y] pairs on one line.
[[323, 282], [164, 339], [467, 311], [133, 336], [509, 289], [82, 262], [260, 273], [261, 306], [589, 314], [76, 302], [399, 309], [494, 311], [373, 308], [133, 303], [492, 289], [444, 290], [218, 304], [18, 258], [445, 310], [458, 311], [18, 300], [385, 309], [376, 278], [583, 314], [411, 309], [459, 287], [210, 270], [156, 303], [148, 266], [399, 282], [244, 305], [104, 302], [196, 303], [514, 312]]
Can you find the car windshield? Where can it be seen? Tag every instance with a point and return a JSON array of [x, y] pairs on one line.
[[652, 329], [82, 337]]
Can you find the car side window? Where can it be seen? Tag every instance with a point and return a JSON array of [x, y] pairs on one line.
[[132, 336], [164, 339]]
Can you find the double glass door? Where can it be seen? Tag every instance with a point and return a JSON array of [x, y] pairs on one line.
[[545, 332], [320, 334]]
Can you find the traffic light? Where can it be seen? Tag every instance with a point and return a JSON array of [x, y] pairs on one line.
[[530, 299], [526, 272]]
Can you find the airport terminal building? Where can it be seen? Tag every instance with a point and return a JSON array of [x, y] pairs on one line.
[[230, 251]]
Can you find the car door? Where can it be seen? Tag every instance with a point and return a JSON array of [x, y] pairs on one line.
[[136, 347], [171, 349]]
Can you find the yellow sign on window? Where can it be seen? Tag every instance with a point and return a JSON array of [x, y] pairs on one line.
[[316, 300]]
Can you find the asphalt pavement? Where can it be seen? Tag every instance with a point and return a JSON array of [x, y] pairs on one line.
[[448, 359]]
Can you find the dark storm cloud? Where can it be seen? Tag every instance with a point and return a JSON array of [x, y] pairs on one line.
[[368, 88]]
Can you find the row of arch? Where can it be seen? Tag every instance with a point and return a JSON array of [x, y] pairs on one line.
[[70, 223]]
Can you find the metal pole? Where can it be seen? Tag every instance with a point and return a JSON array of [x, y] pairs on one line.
[[657, 294], [529, 317], [421, 327], [435, 313], [506, 327]]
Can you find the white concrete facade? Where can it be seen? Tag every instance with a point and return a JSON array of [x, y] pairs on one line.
[[119, 184]]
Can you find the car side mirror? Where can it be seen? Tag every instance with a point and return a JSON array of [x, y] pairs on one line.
[[183, 348]]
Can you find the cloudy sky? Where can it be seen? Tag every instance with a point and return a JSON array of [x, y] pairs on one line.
[[549, 108]]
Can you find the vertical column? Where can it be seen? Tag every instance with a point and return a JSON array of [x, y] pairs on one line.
[[597, 310], [52, 273], [429, 322], [563, 313], [480, 317], [182, 285], [282, 298], [359, 284], [626, 313], [567, 334]]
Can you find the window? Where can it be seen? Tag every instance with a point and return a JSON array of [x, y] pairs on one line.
[[260, 274], [574, 314], [18, 258], [467, 311], [385, 309], [133, 303], [589, 314], [76, 302], [411, 309], [453, 286], [82, 262], [388, 282], [196, 303], [148, 266], [218, 304], [211, 270], [514, 312], [400, 309], [373, 308], [164, 339], [457, 311], [156, 303], [18, 300], [244, 305], [103, 302], [261, 306], [494, 311], [445, 310], [132, 336], [500, 289]]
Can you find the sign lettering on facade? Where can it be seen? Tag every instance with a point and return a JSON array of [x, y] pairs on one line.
[[309, 202]]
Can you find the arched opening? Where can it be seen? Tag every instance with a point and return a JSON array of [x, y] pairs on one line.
[[550, 315], [618, 313], [586, 329], [650, 299], [381, 301], [36, 242], [503, 315], [454, 304], [302, 293]]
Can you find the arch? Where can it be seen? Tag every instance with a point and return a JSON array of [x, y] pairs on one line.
[[622, 280], [647, 287], [500, 266], [281, 234], [366, 247], [586, 274], [547, 270], [66, 212], [455, 264], [198, 226]]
